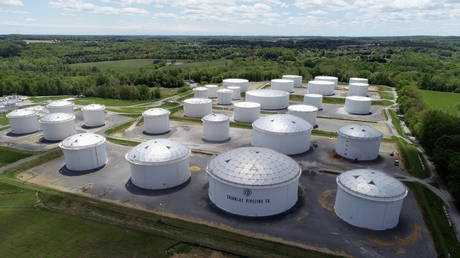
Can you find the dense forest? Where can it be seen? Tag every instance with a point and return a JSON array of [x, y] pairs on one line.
[[46, 68]]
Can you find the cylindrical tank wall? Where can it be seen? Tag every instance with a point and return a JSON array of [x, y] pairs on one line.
[[236, 92], [313, 100], [287, 144], [246, 114], [358, 105], [93, 118], [24, 125], [224, 97], [156, 124], [156, 177], [59, 130], [282, 84], [216, 131], [85, 159], [355, 149]]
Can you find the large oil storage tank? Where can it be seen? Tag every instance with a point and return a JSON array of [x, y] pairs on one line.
[[269, 99], [93, 115], [282, 84], [84, 151], [358, 105], [313, 100], [159, 164], [236, 92], [253, 182], [285, 133], [216, 127], [58, 126], [358, 142], [200, 92], [306, 112], [242, 83], [246, 112], [212, 90], [60, 106], [369, 199], [332, 79], [224, 97], [358, 80], [23, 121], [325, 88], [197, 107], [358, 89], [156, 121], [296, 78]]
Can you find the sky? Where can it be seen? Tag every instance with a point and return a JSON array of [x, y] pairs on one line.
[[231, 17]]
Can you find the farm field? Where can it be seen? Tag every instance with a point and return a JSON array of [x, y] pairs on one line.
[[9, 155], [446, 101]]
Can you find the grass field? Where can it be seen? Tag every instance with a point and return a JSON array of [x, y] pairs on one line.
[[48, 98], [9, 155], [397, 124], [3, 119], [446, 101], [412, 159]]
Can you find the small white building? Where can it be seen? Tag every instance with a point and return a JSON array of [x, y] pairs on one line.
[[369, 199], [197, 107], [324, 88], [93, 115], [242, 83], [358, 80], [285, 133], [60, 106], [246, 112], [296, 78], [224, 97], [358, 142], [332, 79], [212, 90], [282, 84], [253, 182], [156, 121], [216, 128], [306, 112], [358, 89], [313, 100], [58, 126], [84, 151], [269, 99], [236, 92], [200, 92], [23, 121], [358, 105], [159, 164]]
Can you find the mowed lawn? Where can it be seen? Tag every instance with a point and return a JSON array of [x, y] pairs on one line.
[[446, 101], [9, 155], [3, 119], [129, 65], [27, 231]]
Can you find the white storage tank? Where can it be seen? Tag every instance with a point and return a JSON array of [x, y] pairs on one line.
[[325, 88], [84, 151], [358, 142], [23, 121], [369, 199], [282, 84], [200, 92], [332, 79], [358, 80], [212, 90], [358, 105], [159, 164], [358, 89], [313, 100], [269, 99], [156, 121], [296, 78], [58, 126], [236, 92], [306, 112], [287, 134], [60, 106], [242, 83], [246, 112], [253, 182], [224, 97], [93, 115], [197, 107], [216, 128]]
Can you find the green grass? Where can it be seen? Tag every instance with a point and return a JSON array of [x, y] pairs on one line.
[[445, 241], [109, 102], [49, 98], [3, 119], [129, 65], [333, 100], [386, 95], [397, 123], [446, 101], [11, 172], [119, 128], [122, 142], [10, 155], [382, 102], [323, 133], [412, 157]]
